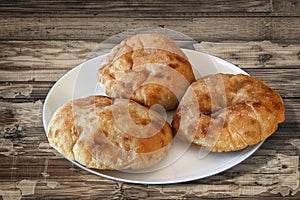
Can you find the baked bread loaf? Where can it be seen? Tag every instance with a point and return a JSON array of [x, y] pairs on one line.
[[225, 112], [102, 133], [147, 68]]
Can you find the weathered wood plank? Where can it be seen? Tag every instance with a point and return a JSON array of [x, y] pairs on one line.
[[132, 8], [19, 55], [286, 7], [27, 91], [201, 29], [32, 75], [254, 54], [153, 9], [20, 115], [30, 92], [260, 174], [48, 182], [285, 81], [53, 54]]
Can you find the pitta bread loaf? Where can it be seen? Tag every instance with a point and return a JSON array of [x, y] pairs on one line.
[[149, 69], [102, 133], [225, 112]]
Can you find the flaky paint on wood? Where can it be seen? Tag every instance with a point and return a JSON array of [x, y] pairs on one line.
[[256, 182], [27, 187], [7, 148], [11, 194], [19, 114], [21, 92], [295, 143], [15, 91]]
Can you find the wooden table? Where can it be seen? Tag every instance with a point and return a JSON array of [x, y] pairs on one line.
[[40, 41]]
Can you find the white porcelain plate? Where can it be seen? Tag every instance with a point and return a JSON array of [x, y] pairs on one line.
[[81, 81]]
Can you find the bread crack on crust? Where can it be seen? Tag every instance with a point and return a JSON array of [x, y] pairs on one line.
[[102, 133], [257, 117], [226, 112]]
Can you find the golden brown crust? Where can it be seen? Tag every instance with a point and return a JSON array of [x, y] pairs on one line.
[[105, 134], [225, 112], [142, 65]]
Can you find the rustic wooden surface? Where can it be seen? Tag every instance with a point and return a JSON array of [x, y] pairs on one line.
[[42, 40]]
